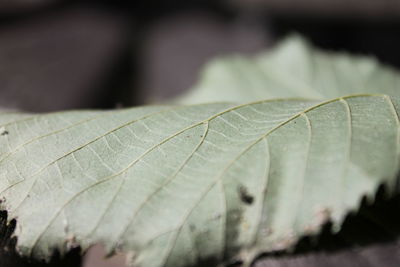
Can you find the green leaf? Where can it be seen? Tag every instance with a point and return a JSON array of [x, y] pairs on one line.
[[292, 69], [174, 185], [178, 184]]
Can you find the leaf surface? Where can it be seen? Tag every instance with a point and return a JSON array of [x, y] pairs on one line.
[[172, 185]]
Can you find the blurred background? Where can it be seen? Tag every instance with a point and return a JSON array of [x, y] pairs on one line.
[[57, 54]]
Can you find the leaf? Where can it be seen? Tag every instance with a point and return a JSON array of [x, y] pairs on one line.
[[292, 69], [175, 185]]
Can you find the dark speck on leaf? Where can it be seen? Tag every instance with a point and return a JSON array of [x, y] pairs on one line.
[[245, 196], [3, 131]]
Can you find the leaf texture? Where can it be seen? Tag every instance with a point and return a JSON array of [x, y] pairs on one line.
[[173, 185]]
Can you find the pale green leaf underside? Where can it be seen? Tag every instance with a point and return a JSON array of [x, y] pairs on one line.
[[292, 69], [179, 184]]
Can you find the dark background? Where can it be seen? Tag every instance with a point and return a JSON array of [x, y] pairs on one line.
[[58, 54]]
